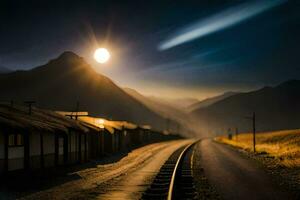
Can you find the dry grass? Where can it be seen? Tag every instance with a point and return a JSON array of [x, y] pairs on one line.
[[284, 146]]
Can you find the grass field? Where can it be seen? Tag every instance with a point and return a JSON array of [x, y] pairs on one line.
[[284, 146]]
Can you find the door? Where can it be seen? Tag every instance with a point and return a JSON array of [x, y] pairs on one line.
[[61, 149]]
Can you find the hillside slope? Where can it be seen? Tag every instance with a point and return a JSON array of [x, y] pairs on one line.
[[158, 106], [178, 103], [168, 111], [68, 79], [276, 108], [209, 101]]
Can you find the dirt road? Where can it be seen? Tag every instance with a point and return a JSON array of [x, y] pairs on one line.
[[235, 176]]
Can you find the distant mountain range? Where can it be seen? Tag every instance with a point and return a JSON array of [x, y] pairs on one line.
[[165, 108], [154, 104], [209, 101], [68, 79], [275, 107], [179, 103]]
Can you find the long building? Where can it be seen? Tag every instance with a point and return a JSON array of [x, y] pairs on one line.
[[33, 138]]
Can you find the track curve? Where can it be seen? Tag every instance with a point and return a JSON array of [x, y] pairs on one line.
[[175, 178]]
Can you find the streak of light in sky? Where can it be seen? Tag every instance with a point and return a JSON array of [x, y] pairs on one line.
[[225, 19]]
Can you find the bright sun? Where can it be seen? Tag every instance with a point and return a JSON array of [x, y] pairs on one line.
[[101, 55]]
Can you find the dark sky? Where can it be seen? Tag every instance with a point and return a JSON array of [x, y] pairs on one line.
[[262, 49]]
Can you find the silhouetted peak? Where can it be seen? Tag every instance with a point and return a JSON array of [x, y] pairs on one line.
[[68, 59], [68, 55], [65, 62]]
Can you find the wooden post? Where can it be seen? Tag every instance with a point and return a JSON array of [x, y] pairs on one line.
[[26, 150], [69, 146], [77, 109], [56, 146], [66, 157], [6, 150], [229, 133], [85, 147], [42, 150], [29, 104], [102, 137], [79, 147], [254, 132]]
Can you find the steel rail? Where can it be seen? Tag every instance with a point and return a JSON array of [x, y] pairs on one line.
[[179, 160]]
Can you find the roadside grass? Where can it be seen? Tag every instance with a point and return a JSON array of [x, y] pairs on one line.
[[284, 145]]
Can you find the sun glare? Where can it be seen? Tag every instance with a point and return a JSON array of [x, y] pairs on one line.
[[102, 55], [101, 121]]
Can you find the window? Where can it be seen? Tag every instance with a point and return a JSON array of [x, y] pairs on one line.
[[15, 140], [11, 140]]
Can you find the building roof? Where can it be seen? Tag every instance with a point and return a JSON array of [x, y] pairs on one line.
[[110, 126], [148, 127], [18, 117], [101, 123]]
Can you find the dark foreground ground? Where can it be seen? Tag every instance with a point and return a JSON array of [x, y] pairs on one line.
[[220, 172]]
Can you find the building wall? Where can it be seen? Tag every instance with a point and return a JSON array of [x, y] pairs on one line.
[[101, 146], [73, 147], [108, 142], [49, 149], [61, 150], [135, 138], [116, 141], [87, 146], [127, 139], [1, 152], [15, 158], [35, 150], [95, 145], [82, 147]]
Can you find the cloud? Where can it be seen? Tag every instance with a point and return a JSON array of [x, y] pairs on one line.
[[225, 19]]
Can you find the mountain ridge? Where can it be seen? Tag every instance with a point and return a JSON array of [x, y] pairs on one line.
[[68, 79], [210, 101], [276, 108]]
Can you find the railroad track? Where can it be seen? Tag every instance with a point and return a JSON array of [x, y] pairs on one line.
[[175, 178]]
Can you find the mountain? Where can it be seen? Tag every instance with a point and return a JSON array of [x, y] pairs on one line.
[[275, 107], [155, 104], [4, 70], [179, 103], [68, 79], [209, 101], [166, 110]]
